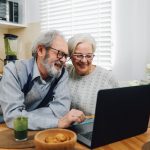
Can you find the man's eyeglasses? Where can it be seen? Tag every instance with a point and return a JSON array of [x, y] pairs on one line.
[[79, 56], [60, 54]]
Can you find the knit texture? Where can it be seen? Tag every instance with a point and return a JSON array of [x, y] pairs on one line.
[[84, 89]]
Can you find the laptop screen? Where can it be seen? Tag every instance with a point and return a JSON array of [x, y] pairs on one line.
[[121, 113]]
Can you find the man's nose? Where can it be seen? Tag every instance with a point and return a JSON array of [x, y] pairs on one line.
[[63, 59]]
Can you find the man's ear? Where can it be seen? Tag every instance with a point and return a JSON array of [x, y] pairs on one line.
[[41, 50]]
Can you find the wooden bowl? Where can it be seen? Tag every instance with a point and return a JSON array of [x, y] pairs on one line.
[[51, 139]]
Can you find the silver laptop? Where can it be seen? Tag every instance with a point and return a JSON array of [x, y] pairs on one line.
[[120, 113]]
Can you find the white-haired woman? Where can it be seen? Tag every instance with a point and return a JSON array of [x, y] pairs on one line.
[[86, 79]]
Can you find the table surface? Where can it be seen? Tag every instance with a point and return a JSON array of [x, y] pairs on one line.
[[134, 143]]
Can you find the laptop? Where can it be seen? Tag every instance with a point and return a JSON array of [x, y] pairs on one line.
[[120, 113]]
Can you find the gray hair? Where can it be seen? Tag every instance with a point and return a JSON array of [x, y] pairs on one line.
[[46, 39], [74, 41]]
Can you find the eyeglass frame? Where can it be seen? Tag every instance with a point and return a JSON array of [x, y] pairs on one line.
[[60, 54], [83, 55]]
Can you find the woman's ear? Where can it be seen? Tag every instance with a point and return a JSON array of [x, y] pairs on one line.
[[41, 50]]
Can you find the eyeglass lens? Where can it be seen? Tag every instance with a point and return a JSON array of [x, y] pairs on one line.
[[60, 54]]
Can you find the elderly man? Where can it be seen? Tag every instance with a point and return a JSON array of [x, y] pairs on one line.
[[37, 88]]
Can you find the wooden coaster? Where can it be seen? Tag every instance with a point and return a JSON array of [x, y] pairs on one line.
[[7, 140]]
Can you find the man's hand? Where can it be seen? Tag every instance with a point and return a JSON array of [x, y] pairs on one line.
[[72, 116]]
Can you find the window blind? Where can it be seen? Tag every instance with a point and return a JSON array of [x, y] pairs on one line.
[[81, 16]]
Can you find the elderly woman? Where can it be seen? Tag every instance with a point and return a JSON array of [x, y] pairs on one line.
[[86, 79]]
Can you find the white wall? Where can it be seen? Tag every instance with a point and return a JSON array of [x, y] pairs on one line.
[[131, 37], [33, 11], [131, 45]]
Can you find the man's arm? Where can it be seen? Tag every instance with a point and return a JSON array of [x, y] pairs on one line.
[[12, 101]]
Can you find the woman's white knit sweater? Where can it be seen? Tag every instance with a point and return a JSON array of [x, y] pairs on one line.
[[84, 89]]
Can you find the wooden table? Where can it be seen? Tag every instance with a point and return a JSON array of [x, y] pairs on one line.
[[134, 143]]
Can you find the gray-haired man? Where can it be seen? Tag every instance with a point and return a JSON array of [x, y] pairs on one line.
[[37, 88]]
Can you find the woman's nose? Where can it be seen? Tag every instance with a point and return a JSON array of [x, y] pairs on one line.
[[83, 59]]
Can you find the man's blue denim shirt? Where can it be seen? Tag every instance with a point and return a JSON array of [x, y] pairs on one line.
[[12, 99]]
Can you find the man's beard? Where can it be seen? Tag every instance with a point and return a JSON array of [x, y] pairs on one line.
[[50, 68]]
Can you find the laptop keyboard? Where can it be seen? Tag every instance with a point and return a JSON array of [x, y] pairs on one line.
[[87, 135]]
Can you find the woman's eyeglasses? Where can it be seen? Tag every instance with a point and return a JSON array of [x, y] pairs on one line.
[[79, 56]]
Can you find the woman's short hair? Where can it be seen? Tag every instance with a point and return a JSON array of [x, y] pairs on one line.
[[77, 39], [46, 39]]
